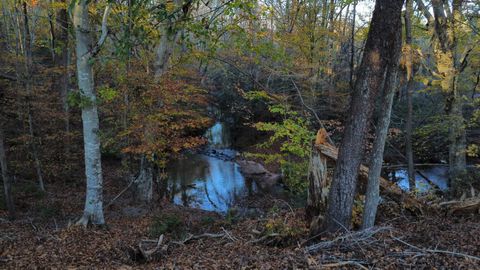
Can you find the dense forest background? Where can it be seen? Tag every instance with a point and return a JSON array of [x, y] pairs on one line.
[[98, 98]]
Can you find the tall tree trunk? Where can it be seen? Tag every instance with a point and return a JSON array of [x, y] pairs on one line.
[[372, 196], [93, 211], [445, 51], [410, 85], [63, 60], [379, 50], [7, 184], [352, 45], [29, 90]]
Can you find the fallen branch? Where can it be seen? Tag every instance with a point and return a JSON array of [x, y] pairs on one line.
[[147, 254], [194, 237], [427, 250], [263, 238], [386, 186], [338, 264], [121, 192], [346, 240]]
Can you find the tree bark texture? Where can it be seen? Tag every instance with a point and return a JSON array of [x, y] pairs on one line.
[[93, 211], [378, 53]]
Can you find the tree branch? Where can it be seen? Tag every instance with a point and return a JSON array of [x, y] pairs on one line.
[[104, 34]]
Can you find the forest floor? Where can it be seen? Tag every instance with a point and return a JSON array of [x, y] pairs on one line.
[[275, 237]]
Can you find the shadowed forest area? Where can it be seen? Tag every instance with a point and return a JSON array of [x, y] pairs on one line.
[[240, 134]]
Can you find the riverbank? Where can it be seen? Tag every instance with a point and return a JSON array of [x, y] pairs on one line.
[[274, 236]]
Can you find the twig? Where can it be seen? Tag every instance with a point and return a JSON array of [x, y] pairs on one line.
[[427, 250], [345, 240], [344, 263], [148, 253], [261, 239], [229, 235], [311, 110], [193, 237], [121, 192]]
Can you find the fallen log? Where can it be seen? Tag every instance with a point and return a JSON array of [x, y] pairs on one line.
[[387, 187], [459, 207]]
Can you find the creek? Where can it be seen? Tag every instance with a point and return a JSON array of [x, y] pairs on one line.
[[210, 180], [437, 176]]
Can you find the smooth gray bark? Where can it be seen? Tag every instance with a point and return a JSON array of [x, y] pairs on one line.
[[93, 211]]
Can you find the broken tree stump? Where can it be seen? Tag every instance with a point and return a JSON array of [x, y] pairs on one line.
[[386, 187]]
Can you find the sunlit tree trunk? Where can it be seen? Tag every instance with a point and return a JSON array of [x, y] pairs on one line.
[[379, 49], [445, 51], [93, 211]]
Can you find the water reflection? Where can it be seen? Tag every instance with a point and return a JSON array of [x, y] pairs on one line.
[[207, 183], [437, 178], [211, 182]]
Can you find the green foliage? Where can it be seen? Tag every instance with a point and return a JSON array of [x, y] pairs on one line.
[[78, 99], [293, 135], [167, 223], [107, 94]]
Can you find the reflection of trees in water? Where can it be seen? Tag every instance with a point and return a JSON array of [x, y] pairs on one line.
[[206, 182]]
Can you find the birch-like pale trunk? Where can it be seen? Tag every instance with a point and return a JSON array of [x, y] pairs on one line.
[[93, 211]]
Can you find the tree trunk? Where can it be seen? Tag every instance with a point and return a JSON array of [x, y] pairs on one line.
[[93, 211], [372, 196], [7, 184], [63, 60], [445, 50], [29, 88], [164, 51], [144, 181], [317, 185], [410, 85], [379, 50], [352, 45]]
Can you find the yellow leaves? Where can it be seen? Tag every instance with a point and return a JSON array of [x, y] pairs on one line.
[[407, 60], [473, 150], [170, 6], [446, 69]]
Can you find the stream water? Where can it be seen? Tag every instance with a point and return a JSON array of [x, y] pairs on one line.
[[210, 180], [437, 178]]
